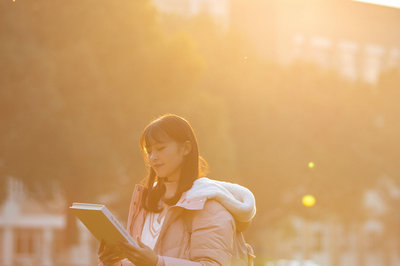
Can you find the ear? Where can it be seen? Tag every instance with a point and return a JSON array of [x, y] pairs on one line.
[[187, 147]]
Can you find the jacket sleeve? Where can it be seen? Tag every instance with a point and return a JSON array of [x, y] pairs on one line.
[[213, 230]]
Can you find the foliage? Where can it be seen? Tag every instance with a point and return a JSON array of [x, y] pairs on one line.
[[80, 80], [283, 117]]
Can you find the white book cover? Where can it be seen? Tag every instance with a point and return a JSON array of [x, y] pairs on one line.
[[101, 223]]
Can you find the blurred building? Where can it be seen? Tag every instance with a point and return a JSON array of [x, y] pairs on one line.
[[216, 9], [357, 39], [373, 240], [31, 233]]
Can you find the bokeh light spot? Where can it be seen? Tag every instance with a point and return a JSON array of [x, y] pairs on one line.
[[308, 200], [311, 165]]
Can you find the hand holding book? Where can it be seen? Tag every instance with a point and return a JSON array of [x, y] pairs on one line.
[[115, 242], [140, 255], [109, 255], [101, 223]]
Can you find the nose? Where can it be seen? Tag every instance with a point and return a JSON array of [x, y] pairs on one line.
[[153, 156]]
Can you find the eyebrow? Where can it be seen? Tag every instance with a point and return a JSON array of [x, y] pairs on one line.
[[158, 142]]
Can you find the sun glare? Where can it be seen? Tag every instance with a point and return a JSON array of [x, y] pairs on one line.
[[389, 3], [308, 200]]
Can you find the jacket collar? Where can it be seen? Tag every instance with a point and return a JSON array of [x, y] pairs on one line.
[[183, 202], [191, 204]]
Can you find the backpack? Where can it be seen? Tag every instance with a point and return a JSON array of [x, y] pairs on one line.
[[243, 253]]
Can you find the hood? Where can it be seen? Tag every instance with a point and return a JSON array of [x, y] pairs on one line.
[[238, 200]]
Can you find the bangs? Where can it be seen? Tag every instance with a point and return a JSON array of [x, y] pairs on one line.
[[153, 134]]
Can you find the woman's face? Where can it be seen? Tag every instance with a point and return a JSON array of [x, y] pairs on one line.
[[166, 158]]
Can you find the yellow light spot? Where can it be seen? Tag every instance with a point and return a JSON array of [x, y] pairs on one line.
[[308, 200], [245, 58], [311, 165]]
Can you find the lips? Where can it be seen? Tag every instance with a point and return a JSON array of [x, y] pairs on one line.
[[156, 166]]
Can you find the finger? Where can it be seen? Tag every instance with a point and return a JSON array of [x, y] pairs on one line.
[[115, 260], [128, 251], [111, 252], [132, 253], [142, 262], [140, 243], [108, 254], [101, 247], [107, 259], [143, 246], [111, 262], [134, 258], [125, 245]]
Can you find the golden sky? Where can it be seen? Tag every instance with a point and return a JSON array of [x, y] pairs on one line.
[[391, 3]]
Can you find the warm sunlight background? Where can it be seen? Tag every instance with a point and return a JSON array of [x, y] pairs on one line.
[[389, 3], [297, 100]]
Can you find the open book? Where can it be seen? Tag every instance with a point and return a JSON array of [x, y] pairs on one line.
[[101, 223]]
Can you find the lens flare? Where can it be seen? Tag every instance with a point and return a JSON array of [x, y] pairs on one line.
[[308, 200]]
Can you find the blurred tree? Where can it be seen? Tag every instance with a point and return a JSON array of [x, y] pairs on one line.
[[283, 117], [79, 82]]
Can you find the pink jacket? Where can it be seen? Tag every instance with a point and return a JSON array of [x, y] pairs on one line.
[[203, 228]]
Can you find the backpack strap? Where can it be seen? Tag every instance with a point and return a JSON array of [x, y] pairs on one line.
[[250, 254]]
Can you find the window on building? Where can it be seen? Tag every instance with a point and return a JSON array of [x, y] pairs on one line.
[[394, 58], [58, 240], [299, 43], [373, 62], [347, 63], [27, 241], [373, 241], [317, 241], [321, 51], [344, 239]]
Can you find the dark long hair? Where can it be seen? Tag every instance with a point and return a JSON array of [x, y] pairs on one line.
[[193, 166]]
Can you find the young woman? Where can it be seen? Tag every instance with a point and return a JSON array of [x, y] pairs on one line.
[[180, 217]]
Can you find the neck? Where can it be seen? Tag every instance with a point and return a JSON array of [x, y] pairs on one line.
[[171, 184], [170, 188]]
